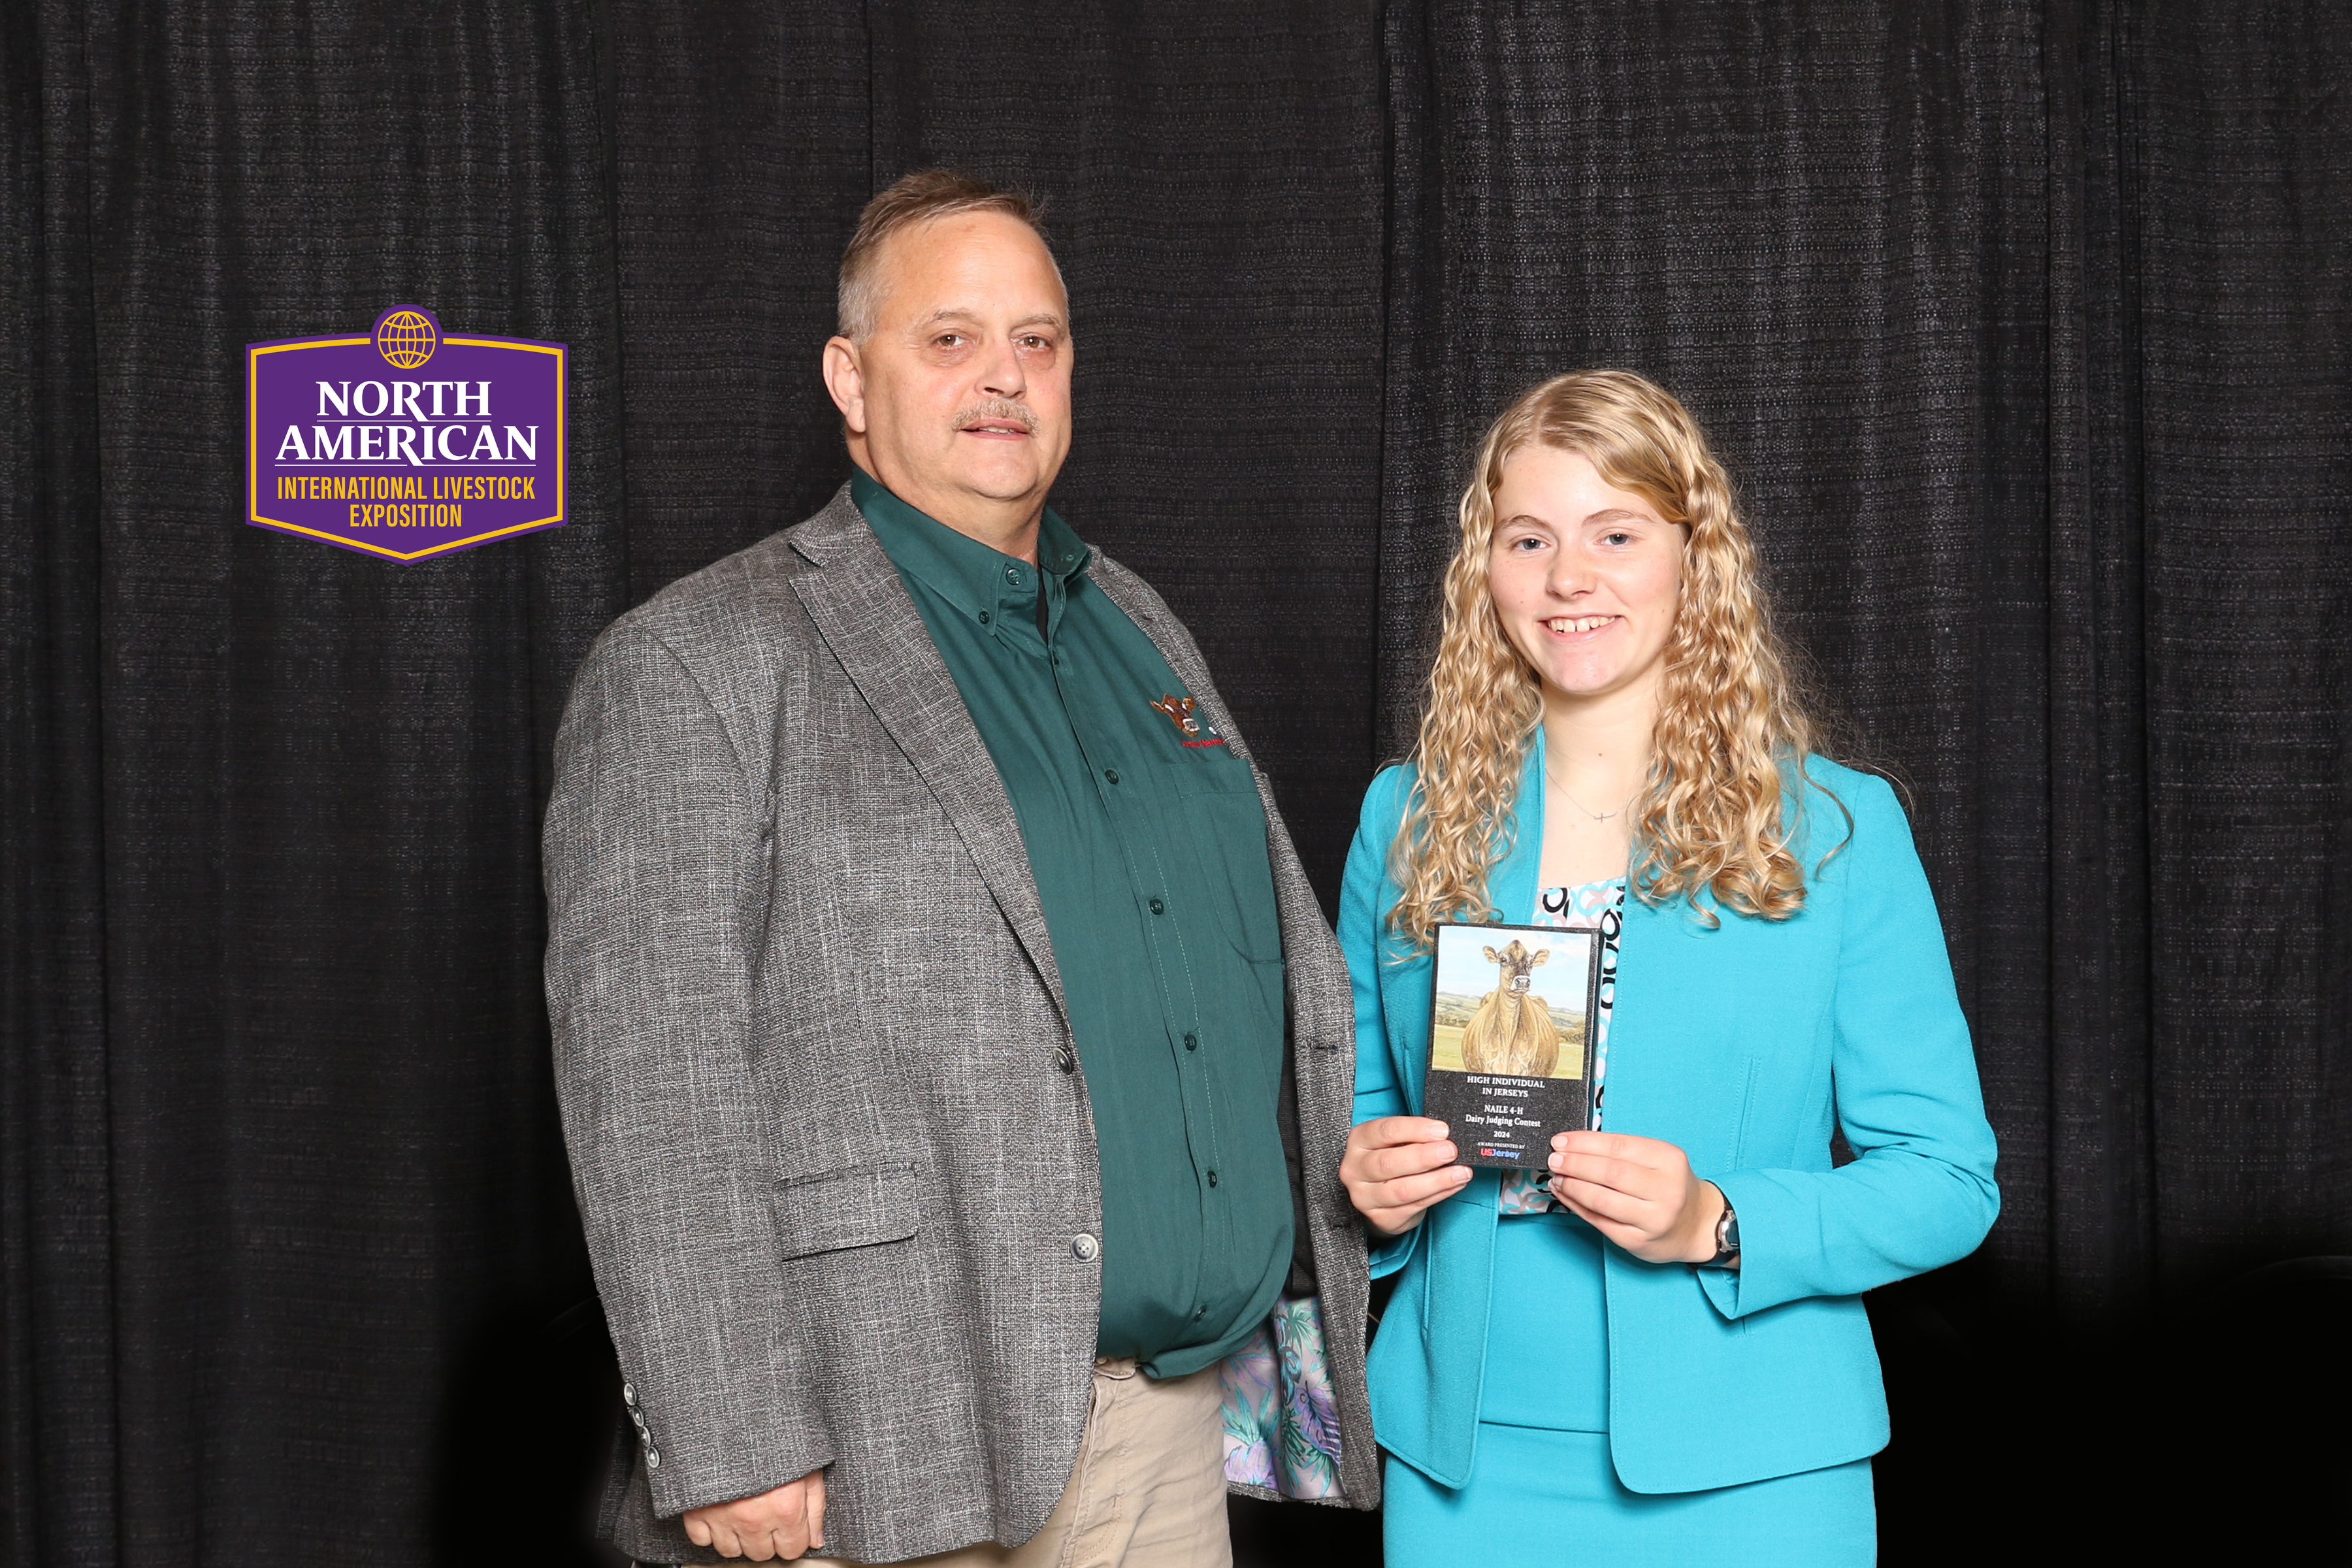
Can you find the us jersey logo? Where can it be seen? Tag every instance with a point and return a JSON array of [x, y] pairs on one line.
[[1180, 712]]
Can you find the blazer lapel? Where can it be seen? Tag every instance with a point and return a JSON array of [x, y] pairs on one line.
[[863, 612]]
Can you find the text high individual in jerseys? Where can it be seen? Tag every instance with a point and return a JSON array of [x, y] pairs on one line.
[[941, 1018]]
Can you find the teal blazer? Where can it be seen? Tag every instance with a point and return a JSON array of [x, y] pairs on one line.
[[1745, 1045]]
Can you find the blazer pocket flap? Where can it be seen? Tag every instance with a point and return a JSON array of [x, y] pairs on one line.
[[836, 1209]]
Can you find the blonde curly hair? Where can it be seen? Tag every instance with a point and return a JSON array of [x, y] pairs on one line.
[[1711, 819]]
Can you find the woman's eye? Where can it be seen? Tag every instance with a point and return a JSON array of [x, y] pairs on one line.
[[1617, 539]]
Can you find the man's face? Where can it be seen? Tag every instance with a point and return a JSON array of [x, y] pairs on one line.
[[962, 396]]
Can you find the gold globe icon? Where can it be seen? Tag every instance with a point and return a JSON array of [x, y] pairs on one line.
[[406, 339]]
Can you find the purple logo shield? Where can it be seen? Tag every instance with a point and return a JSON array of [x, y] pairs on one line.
[[402, 442]]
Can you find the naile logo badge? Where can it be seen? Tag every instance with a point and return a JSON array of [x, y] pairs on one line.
[[405, 443]]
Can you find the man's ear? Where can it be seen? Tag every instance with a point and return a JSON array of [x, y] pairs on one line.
[[845, 378]]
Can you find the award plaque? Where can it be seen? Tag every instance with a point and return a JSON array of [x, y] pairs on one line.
[[1510, 1039]]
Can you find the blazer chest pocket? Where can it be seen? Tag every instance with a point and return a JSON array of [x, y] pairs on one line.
[[836, 1209]]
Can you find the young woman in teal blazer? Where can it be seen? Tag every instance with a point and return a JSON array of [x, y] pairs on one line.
[[1654, 1350]]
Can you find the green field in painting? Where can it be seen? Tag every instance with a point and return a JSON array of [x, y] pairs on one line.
[[1455, 1012]]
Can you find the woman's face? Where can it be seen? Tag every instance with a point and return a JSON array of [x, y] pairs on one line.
[[1585, 575]]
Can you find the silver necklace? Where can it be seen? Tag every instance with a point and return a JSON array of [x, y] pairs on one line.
[[1596, 815]]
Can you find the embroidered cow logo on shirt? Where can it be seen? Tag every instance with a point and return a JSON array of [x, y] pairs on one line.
[[1180, 712]]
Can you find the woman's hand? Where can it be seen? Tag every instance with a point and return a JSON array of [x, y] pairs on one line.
[[1637, 1192], [1395, 1167]]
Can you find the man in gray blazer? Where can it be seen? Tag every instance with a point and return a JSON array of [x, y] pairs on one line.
[[954, 1061]]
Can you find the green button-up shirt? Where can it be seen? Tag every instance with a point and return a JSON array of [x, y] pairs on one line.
[[1148, 843]]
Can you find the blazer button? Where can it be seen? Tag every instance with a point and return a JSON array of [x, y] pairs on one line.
[[652, 1458], [628, 1393], [1085, 1249], [1065, 1057]]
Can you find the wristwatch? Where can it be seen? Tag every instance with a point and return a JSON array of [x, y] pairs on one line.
[[1726, 1239]]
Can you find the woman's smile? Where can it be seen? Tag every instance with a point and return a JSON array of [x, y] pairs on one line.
[[1578, 626]]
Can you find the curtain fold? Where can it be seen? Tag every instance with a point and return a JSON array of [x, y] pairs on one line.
[[57, 1465], [281, 1156], [2082, 1113], [2240, 194]]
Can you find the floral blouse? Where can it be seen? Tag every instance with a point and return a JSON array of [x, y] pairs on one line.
[[1282, 1435], [1601, 904]]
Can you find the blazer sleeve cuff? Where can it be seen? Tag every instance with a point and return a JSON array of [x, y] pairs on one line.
[[1387, 1256], [701, 1461], [1766, 1224]]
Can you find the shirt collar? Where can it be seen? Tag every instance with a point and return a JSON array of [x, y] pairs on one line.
[[970, 576]]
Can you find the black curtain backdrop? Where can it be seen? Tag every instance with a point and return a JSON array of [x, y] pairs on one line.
[[2024, 326]]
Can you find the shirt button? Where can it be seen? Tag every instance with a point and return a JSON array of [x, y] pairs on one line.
[[1158, 907], [1198, 1313], [1192, 1041], [1212, 1178], [1065, 1057], [1085, 1248], [1111, 773], [1012, 576], [983, 618]]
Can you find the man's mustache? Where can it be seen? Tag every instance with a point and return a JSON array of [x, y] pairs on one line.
[[1002, 408]]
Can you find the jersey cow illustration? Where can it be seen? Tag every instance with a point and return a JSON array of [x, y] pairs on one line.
[[1512, 1031]]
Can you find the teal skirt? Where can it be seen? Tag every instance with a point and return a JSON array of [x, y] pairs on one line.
[[1543, 1499]]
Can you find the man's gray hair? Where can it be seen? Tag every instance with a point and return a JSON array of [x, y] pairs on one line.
[[918, 198]]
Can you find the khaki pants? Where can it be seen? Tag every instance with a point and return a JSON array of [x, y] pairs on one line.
[[1149, 1489]]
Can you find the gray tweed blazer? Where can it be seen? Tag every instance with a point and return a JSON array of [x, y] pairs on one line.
[[840, 1196]]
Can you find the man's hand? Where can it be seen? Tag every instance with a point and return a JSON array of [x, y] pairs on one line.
[[1395, 1167], [1639, 1193], [784, 1523]]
